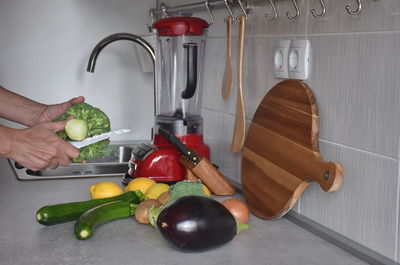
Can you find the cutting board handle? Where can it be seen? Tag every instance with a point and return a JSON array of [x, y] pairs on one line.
[[330, 176]]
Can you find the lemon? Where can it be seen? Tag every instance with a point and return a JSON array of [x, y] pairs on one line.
[[154, 191], [142, 184], [206, 190], [104, 189]]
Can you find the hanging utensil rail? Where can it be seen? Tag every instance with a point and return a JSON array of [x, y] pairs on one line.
[[164, 10]]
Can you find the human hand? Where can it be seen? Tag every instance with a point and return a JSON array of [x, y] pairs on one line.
[[51, 112], [39, 147]]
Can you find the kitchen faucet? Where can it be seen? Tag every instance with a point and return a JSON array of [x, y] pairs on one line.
[[114, 37], [121, 36]]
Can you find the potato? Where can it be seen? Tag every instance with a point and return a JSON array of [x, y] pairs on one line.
[[142, 211]]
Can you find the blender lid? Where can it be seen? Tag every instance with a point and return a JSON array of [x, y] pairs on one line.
[[175, 26]]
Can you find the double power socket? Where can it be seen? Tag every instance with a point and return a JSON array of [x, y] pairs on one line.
[[292, 59]]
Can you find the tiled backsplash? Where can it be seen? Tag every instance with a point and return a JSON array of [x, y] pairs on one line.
[[355, 76]]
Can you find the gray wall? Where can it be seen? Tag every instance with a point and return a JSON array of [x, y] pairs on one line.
[[355, 78], [44, 50]]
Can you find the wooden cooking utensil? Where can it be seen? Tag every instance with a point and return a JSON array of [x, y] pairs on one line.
[[239, 130], [280, 155], [227, 80]]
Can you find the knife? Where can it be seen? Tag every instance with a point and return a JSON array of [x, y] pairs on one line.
[[200, 166], [97, 138]]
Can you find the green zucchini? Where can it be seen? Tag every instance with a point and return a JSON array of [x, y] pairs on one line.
[[91, 219], [66, 212]]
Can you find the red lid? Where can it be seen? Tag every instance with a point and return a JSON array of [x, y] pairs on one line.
[[175, 26]]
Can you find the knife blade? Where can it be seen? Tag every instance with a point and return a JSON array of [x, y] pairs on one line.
[[97, 138], [200, 166]]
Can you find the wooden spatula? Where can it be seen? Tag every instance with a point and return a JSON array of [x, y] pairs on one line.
[[240, 122], [227, 80]]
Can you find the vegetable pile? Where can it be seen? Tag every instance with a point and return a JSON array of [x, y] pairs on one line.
[[96, 122], [186, 216]]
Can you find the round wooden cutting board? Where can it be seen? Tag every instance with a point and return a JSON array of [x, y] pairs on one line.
[[281, 155]]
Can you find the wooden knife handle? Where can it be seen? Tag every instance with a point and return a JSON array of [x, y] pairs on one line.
[[210, 176], [190, 176]]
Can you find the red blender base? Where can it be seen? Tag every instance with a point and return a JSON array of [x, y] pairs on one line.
[[160, 161]]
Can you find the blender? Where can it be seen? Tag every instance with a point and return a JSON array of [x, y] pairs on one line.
[[178, 81], [180, 45]]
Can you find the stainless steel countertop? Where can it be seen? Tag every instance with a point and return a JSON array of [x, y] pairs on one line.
[[24, 241]]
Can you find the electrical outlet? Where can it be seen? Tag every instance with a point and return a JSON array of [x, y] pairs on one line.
[[280, 60], [299, 59]]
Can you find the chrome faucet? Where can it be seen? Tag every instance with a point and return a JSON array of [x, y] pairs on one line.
[[114, 37], [121, 36]]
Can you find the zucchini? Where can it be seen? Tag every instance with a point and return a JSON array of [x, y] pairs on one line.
[[91, 219], [65, 212]]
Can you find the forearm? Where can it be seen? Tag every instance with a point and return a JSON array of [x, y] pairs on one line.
[[19, 109], [6, 138]]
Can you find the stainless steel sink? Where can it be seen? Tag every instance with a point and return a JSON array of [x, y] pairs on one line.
[[114, 164]]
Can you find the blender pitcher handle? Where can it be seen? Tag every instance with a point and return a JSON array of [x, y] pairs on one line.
[[191, 68]]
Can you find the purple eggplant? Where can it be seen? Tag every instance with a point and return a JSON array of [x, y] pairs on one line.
[[196, 223]]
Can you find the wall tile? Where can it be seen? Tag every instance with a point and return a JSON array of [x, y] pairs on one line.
[[355, 80], [215, 59], [218, 135], [365, 208], [374, 16]]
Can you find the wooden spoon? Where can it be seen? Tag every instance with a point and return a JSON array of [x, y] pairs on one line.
[[240, 122], [227, 81]]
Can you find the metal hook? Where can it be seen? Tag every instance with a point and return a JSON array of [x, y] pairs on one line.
[[314, 13], [296, 6], [209, 12], [351, 12], [243, 10], [163, 10], [229, 10], [267, 17]]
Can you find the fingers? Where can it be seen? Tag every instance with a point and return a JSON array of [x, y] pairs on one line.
[[63, 107], [77, 100], [39, 147], [56, 126], [71, 102], [72, 151], [54, 163]]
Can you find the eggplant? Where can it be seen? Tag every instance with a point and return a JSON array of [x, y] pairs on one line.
[[196, 223]]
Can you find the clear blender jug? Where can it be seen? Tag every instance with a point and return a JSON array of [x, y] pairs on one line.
[[179, 67]]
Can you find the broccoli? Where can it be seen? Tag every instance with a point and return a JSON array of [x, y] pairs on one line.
[[186, 188], [97, 122]]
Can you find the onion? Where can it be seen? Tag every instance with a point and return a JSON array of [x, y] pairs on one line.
[[238, 209], [76, 129]]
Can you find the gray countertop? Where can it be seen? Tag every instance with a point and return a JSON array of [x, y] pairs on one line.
[[24, 241]]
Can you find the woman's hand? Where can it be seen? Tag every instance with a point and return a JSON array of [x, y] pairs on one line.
[[52, 112], [39, 147]]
